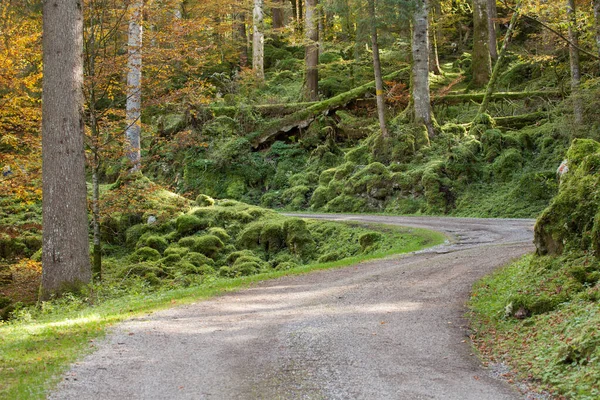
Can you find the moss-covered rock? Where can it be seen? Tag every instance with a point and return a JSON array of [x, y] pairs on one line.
[[572, 218], [154, 241], [145, 254], [368, 240], [209, 245], [205, 201], [189, 224]]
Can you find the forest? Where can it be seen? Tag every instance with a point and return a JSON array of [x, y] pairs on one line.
[[149, 149]]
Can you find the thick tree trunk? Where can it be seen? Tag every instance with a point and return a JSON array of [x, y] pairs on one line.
[[492, 17], [420, 67], [258, 40], [312, 51], [134, 86], [278, 14], [379, 93], [482, 61], [574, 61], [65, 249], [434, 59]]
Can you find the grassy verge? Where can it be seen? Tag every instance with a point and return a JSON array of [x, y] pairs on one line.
[[555, 343], [41, 343]]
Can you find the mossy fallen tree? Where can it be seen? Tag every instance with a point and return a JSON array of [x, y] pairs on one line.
[[303, 118], [478, 97], [520, 121], [264, 109]]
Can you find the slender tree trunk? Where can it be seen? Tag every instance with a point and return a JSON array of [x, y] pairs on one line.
[[258, 41], [491, 86], [596, 5], [294, 11], [434, 59], [321, 30], [278, 14], [574, 61], [379, 92], [482, 61], [134, 86], [91, 50], [241, 38], [65, 249], [420, 67], [312, 51], [492, 17]]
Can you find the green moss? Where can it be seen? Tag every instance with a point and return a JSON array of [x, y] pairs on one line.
[[209, 245], [330, 257], [176, 249], [297, 237], [145, 254], [326, 176], [220, 233], [205, 201], [188, 224], [369, 239], [198, 259], [156, 242], [507, 164]]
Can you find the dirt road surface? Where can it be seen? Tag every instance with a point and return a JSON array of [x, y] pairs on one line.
[[386, 329]]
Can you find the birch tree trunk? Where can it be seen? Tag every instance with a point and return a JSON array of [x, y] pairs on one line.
[[134, 86], [377, 69], [65, 248], [420, 67], [482, 61], [492, 17], [312, 51], [258, 40], [574, 61]]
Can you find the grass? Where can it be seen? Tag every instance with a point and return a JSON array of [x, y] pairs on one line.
[[557, 350], [40, 344]]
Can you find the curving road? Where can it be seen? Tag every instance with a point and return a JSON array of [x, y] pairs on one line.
[[386, 329]]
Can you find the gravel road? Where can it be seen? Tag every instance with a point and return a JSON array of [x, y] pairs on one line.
[[386, 329]]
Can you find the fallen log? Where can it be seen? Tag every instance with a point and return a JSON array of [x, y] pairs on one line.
[[303, 118], [478, 97], [520, 121]]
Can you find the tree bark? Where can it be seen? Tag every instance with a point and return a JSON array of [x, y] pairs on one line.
[[65, 249], [574, 61], [134, 86], [278, 15], [492, 17], [241, 38], [434, 59], [491, 86], [482, 61], [312, 51], [258, 40], [420, 67], [596, 6], [379, 93]]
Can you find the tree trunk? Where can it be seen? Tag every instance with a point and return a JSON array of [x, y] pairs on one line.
[[258, 41], [434, 59], [241, 38], [379, 93], [420, 67], [596, 5], [65, 249], [312, 51], [482, 61], [574, 61], [134, 86], [492, 17], [491, 86], [278, 15]]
